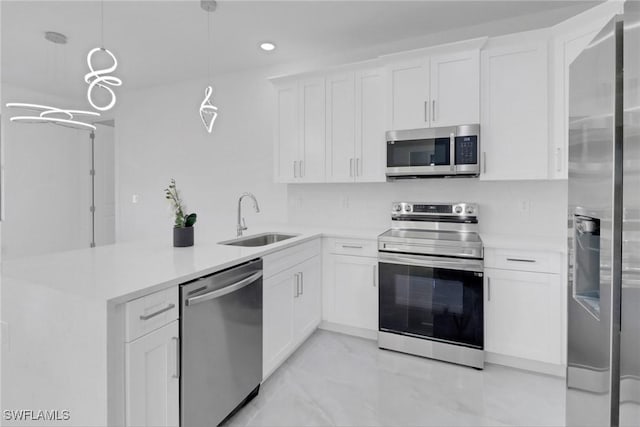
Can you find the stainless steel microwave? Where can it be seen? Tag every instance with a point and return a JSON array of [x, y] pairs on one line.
[[431, 152]]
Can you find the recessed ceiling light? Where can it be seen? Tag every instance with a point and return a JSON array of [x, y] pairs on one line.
[[267, 46]]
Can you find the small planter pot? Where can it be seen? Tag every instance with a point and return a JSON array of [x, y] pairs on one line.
[[182, 237]]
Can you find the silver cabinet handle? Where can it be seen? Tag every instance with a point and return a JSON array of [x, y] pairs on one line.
[[301, 169], [156, 313], [520, 260], [426, 113], [351, 167], [352, 247], [558, 159], [301, 283], [296, 288], [488, 288], [224, 291], [177, 374], [484, 162], [375, 275], [358, 167], [295, 172], [433, 110]]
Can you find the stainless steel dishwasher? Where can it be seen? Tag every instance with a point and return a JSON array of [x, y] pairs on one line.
[[221, 344]]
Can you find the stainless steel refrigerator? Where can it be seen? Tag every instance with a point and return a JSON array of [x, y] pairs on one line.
[[603, 337]]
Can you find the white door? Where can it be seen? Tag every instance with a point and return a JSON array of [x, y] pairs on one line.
[[409, 95], [514, 114], [308, 304], [277, 320], [341, 127], [152, 378], [286, 138], [370, 138], [355, 293], [523, 315], [455, 89], [312, 130]]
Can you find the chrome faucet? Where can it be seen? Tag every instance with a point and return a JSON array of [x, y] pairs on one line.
[[241, 226]]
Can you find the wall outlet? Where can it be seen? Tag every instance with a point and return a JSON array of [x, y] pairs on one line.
[[344, 202], [135, 198], [524, 207]]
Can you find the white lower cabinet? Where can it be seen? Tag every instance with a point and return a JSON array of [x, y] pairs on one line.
[[291, 311], [353, 293], [523, 315], [153, 378]]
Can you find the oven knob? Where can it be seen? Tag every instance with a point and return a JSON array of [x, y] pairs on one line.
[[397, 208], [408, 208], [470, 210], [458, 209]]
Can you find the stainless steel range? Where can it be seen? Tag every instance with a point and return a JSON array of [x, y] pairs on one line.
[[431, 283]]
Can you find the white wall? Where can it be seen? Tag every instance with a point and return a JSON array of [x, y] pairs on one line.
[[369, 205], [159, 136], [47, 182]]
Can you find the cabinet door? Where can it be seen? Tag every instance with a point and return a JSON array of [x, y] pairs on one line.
[[355, 291], [308, 303], [514, 114], [341, 126], [409, 95], [523, 315], [286, 138], [277, 320], [312, 130], [152, 378], [455, 89], [370, 126]]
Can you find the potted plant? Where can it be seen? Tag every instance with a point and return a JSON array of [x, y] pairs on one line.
[[183, 225]]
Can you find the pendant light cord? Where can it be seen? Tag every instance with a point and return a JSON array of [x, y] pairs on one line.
[[102, 23], [209, 45]]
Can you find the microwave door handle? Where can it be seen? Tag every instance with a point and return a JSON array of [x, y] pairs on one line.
[[452, 151]]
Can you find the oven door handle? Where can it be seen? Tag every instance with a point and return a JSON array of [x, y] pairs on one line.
[[474, 265]]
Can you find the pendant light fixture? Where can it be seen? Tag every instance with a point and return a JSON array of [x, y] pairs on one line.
[[100, 78], [38, 113], [208, 111]]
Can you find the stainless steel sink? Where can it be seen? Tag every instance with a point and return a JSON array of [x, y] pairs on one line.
[[262, 239]]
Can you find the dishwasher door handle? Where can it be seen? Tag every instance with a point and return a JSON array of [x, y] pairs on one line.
[[224, 291]]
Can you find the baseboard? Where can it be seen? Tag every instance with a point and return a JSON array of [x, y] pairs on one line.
[[349, 330], [526, 364]]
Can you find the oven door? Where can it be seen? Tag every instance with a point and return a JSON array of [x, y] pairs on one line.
[[429, 297]]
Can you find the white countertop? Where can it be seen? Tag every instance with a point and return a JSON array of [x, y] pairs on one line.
[[531, 243], [124, 271]]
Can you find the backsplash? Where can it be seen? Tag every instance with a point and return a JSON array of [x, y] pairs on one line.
[[528, 208]]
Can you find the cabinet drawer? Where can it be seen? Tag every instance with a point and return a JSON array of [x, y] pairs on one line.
[[357, 247], [278, 261], [513, 259], [151, 312]]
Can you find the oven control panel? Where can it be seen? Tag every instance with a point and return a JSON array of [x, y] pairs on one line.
[[418, 209]]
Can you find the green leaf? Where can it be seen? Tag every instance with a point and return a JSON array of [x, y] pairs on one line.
[[190, 220]]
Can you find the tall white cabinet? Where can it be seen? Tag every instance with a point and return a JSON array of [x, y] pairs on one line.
[[514, 123]]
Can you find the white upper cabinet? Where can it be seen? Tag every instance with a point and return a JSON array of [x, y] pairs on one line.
[[455, 89], [514, 110], [312, 128], [286, 137], [355, 142], [300, 131], [408, 96], [371, 110], [341, 127], [441, 90]]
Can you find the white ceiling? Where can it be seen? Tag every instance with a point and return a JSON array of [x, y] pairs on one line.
[[164, 41]]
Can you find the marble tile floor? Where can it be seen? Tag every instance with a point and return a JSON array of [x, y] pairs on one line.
[[339, 380]]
